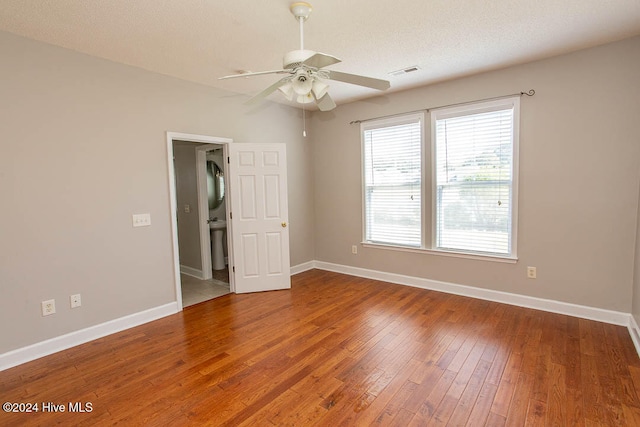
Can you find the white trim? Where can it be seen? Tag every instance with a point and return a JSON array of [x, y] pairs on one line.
[[173, 206], [494, 258], [228, 196], [189, 137], [471, 108], [585, 312], [193, 272], [515, 182], [72, 339], [300, 268], [395, 120], [203, 211], [171, 136], [634, 331]]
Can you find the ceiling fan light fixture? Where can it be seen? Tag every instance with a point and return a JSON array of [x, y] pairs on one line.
[[305, 99], [287, 90], [302, 84], [319, 88]]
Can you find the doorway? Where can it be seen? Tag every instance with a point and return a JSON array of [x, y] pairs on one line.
[[196, 209], [256, 193]]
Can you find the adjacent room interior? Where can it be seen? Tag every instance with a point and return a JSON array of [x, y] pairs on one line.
[[127, 273]]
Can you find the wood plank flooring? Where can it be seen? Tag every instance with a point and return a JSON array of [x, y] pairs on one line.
[[339, 350]]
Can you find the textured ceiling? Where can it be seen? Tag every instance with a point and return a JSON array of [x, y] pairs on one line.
[[201, 40]]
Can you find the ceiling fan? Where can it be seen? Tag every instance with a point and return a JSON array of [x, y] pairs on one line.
[[306, 77]]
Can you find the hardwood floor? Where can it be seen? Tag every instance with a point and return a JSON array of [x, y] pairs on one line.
[[340, 350]]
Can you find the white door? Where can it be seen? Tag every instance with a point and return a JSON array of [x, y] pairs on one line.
[[259, 217]]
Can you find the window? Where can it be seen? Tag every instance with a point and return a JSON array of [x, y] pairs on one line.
[[474, 177], [392, 181], [471, 180]]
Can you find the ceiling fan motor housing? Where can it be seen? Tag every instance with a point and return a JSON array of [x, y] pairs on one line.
[[300, 9], [295, 58]]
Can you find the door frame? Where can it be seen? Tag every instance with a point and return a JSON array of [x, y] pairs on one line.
[[203, 139], [203, 209]]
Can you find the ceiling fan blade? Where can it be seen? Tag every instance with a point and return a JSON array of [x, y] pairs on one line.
[[359, 80], [258, 73], [320, 60], [325, 103], [268, 91]]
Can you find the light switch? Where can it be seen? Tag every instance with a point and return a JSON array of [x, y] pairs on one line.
[[141, 220]]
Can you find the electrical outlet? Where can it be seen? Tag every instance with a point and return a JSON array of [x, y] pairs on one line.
[[48, 307], [141, 220], [187, 209], [354, 249], [75, 300], [531, 272]]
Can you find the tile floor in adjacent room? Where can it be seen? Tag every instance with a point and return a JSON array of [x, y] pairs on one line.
[[195, 291]]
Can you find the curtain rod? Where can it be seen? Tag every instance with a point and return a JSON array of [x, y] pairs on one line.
[[530, 93]]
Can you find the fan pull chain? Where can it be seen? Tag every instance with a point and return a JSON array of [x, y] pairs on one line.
[[304, 124]]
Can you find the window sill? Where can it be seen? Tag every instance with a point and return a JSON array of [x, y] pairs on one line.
[[493, 258]]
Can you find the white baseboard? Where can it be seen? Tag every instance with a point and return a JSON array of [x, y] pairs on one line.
[[72, 339], [634, 331], [585, 312], [193, 272], [296, 269], [44, 348], [63, 342]]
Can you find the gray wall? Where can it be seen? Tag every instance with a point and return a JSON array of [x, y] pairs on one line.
[[579, 174], [635, 308], [83, 148], [187, 194]]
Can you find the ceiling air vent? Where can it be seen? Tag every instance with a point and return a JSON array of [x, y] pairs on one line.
[[404, 71]]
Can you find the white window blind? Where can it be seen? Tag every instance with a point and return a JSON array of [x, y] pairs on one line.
[[474, 154], [392, 155]]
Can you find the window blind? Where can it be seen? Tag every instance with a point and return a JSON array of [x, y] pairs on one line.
[[474, 181], [392, 180]]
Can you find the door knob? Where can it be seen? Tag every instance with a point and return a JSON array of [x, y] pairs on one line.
[[284, 224]]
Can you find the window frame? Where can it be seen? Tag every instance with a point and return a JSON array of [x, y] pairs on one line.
[[468, 110], [429, 183], [389, 122]]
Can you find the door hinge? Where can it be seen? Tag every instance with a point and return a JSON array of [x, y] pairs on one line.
[[230, 215], [234, 268], [228, 159]]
